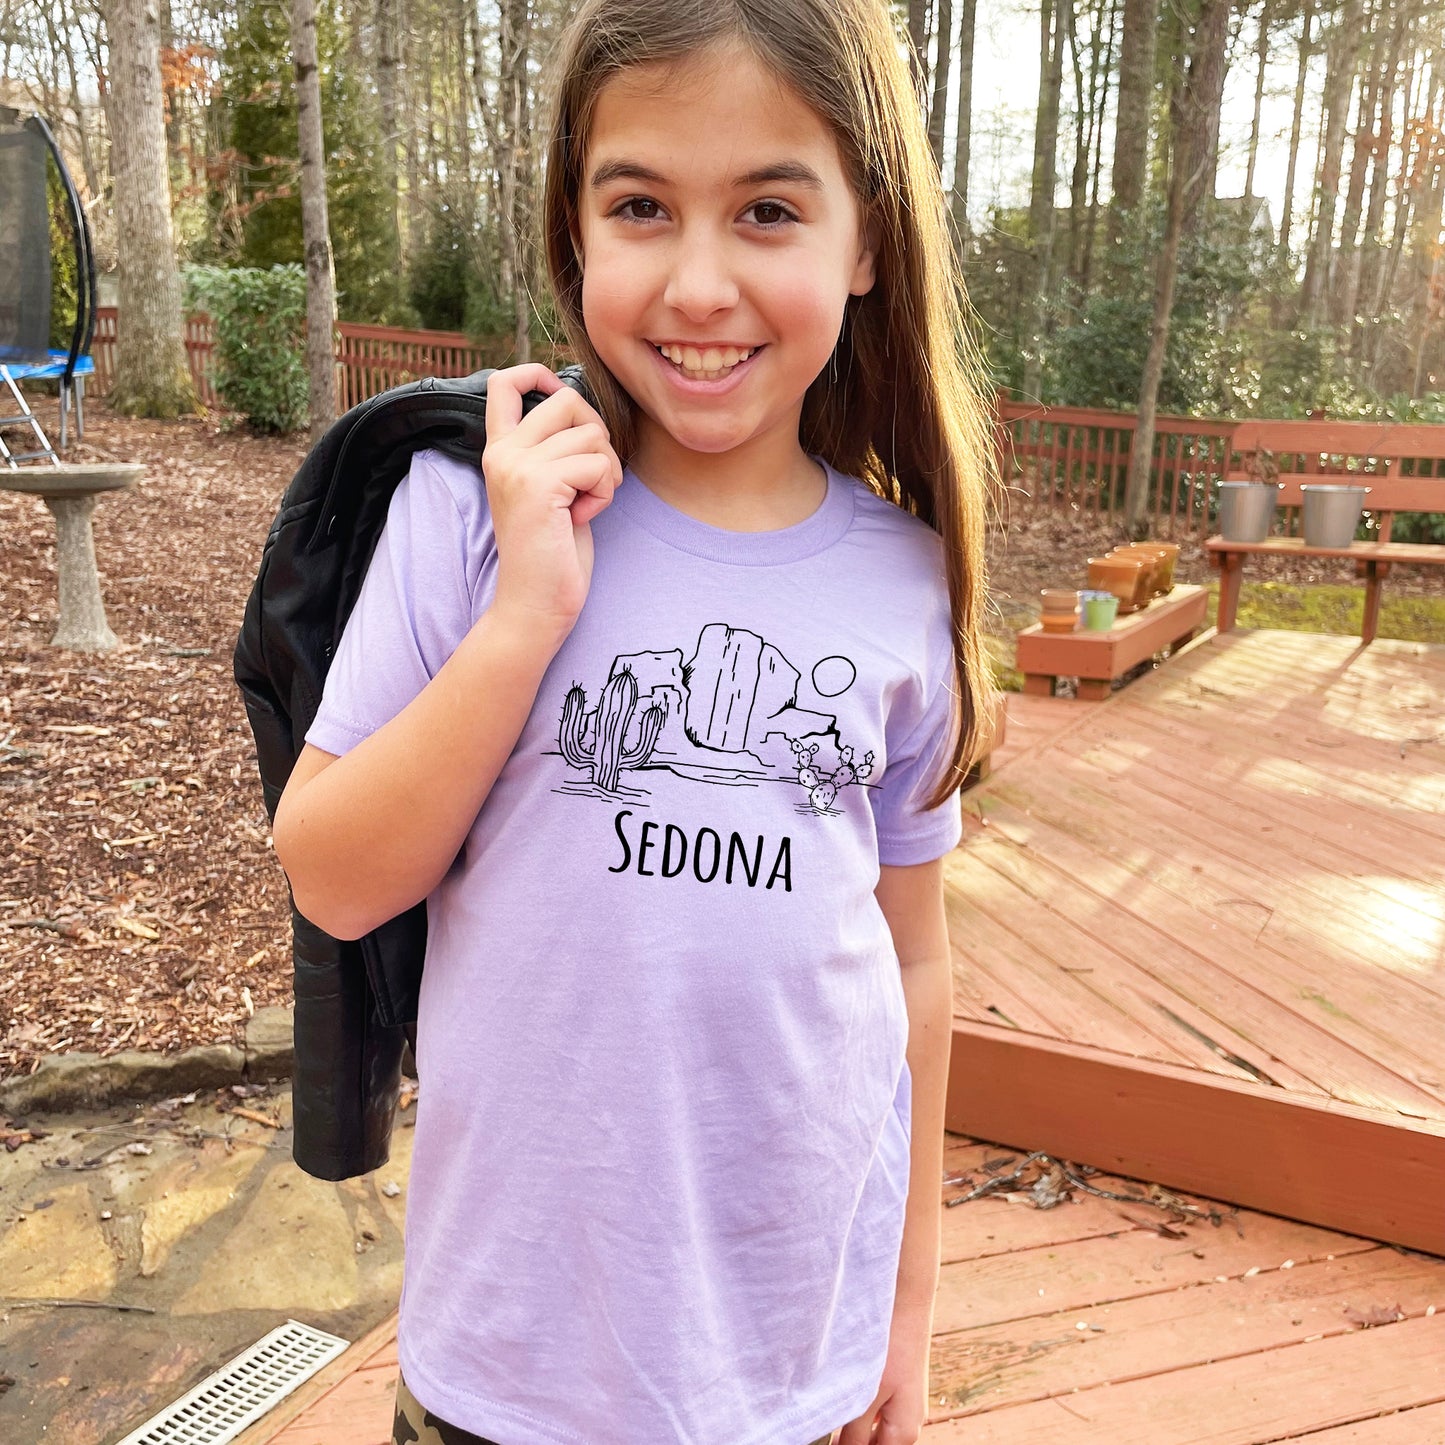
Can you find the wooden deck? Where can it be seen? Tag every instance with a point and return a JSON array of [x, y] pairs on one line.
[[1250, 1330], [1200, 940], [1200, 933]]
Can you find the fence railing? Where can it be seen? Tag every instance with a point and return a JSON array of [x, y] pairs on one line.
[[1072, 459], [369, 359], [200, 344], [1077, 460]]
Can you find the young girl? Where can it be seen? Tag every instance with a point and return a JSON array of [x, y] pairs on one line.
[[664, 712]]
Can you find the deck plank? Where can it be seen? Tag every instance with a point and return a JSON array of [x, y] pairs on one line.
[[1279, 879], [1203, 907], [358, 1411], [1420, 1426], [1259, 1397], [1085, 1274], [1149, 1334]]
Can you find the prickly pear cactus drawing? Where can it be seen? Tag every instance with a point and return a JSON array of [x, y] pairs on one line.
[[824, 787], [606, 756]]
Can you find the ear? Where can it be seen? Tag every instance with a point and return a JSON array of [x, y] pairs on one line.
[[865, 271]]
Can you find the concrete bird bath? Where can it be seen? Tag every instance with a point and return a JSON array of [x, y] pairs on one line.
[[70, 490]]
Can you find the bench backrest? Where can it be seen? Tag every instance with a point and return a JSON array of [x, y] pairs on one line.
[[1402, 464]]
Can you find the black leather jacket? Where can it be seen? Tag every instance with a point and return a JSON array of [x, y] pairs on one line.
[[356, 1002]]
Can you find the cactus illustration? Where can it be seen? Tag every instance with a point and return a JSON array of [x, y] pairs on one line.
[[607, 756], [824, 787], [807, 773]]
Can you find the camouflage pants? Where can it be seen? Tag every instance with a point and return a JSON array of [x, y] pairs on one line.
[[416, 1425]]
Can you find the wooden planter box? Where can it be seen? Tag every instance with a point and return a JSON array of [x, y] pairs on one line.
[[1097, 658]]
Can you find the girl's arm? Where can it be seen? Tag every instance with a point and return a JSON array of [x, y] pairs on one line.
[[912, 901], [365, 835]]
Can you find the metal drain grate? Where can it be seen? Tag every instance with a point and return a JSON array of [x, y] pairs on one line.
[[238, 1394]]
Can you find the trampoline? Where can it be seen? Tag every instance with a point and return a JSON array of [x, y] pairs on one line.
[[27, 144]]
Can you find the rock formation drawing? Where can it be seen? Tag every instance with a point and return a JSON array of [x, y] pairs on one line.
[[728, 715]]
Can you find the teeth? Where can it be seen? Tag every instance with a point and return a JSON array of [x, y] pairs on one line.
[[709, 364]]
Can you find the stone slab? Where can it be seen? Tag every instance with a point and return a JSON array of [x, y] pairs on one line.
[[79, 1080]]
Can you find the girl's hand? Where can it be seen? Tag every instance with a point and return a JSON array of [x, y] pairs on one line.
[[548, 474], [900, 1407]]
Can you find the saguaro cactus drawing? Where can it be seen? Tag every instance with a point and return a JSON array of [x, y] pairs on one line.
[[606, 755]]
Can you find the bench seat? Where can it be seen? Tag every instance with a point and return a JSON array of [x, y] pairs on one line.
[[1373, 561]]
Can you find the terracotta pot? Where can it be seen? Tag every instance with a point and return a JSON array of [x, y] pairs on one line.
[[1153, 559], [1125, 577], [1171, 556], [1060, 609]]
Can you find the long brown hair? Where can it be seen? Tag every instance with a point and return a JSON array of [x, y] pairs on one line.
[[905, 353]]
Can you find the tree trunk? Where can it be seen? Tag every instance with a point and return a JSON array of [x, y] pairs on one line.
[[1131, 125], [512, 165], [963, 122], [1042, 213], [1103, 66], [917, 46], [1079, 178], [315, 226], [387, 58], [1372, 84], [152, 377], [1343, 46], [1194, 149], [1261, 59], [942, 71], [1305, 49], [1366, 261]]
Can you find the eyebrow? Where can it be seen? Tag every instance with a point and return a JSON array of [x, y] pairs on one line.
[[794, 172]]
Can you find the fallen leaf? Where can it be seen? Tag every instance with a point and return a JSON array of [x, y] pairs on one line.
[[140, 930], [1374, 1315]]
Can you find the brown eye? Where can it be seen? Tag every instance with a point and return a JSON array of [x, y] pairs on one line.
[[634, 201], [773, 215]]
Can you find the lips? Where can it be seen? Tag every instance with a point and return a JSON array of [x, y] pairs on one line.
[[704, 383]]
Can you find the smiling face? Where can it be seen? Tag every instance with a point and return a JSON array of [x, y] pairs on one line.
[[715, 222]]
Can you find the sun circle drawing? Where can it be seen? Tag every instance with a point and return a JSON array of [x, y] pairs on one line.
[[833, 675]]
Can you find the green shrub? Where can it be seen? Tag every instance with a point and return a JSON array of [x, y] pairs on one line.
[[259, 323]]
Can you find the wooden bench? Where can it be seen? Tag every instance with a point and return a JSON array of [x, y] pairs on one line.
[[1315, 452], [1097, 659]]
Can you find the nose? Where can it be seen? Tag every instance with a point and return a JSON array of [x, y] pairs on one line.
[[700, 277]]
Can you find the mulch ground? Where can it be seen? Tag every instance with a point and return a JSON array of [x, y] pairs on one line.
[[140, 904]]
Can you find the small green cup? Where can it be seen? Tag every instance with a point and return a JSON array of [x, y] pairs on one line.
[[1100, 610]]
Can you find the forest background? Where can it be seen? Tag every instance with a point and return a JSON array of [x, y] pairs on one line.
[[1234, 206]]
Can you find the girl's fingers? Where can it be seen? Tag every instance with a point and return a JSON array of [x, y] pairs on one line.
[[562, 409], [588, 439], [589, 474], [505, 390]]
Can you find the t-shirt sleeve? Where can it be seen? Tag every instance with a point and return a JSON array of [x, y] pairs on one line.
[[415, 604], [924, 717]]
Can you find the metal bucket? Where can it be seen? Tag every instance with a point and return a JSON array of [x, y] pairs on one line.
[[1331, 514], [1246, 510]]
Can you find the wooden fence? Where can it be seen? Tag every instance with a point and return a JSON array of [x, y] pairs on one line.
[[1071, 459], [369, 359], [199, 348], [1076, 460]]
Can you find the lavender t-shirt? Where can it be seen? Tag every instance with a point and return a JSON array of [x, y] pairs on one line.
[[662, 1150]]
